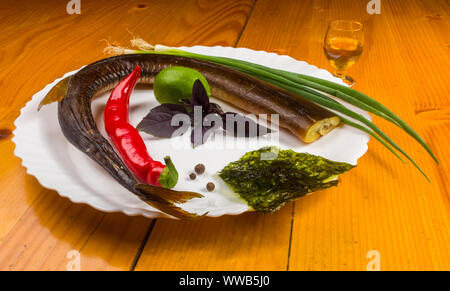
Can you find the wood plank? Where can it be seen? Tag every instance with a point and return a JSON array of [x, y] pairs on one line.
[[249, 241], [114, 243], [41, 42], [382, 205]]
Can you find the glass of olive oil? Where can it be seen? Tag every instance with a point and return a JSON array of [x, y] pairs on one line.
[[343, 45]]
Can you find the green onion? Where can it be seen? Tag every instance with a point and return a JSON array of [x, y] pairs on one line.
[[356, 98]]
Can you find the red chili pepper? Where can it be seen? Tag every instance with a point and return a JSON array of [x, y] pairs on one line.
[[127, 140]]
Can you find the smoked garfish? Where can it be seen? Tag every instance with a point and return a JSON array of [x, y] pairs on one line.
[[304, 119]]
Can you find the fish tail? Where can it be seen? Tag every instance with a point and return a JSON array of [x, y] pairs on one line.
[[164, 199], [57, 93]]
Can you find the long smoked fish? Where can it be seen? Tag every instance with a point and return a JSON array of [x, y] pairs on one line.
[[304, 119]]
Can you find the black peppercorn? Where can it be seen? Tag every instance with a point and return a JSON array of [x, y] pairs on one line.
[[200, 169], [192, 176], [210, 186]]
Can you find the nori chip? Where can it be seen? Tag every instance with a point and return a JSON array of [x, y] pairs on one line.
[[269, 177]]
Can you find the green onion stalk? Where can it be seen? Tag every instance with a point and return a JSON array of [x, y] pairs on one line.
[[308, 87]]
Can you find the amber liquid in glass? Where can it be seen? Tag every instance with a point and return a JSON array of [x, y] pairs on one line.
[[342, 52]]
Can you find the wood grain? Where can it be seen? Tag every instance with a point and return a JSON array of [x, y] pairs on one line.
[[40, 42], [381, 205], [247, 242]]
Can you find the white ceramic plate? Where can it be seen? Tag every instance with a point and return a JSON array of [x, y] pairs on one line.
[[58, 165]]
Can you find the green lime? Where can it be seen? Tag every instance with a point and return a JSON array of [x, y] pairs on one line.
[[175, 83]]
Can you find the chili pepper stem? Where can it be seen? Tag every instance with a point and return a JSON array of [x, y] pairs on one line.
[[169, 176]]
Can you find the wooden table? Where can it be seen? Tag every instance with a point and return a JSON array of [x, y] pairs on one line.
[[382, 210]]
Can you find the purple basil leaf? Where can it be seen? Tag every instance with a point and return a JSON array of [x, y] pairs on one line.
[[199, 95], [243, 126], [158, 121]]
